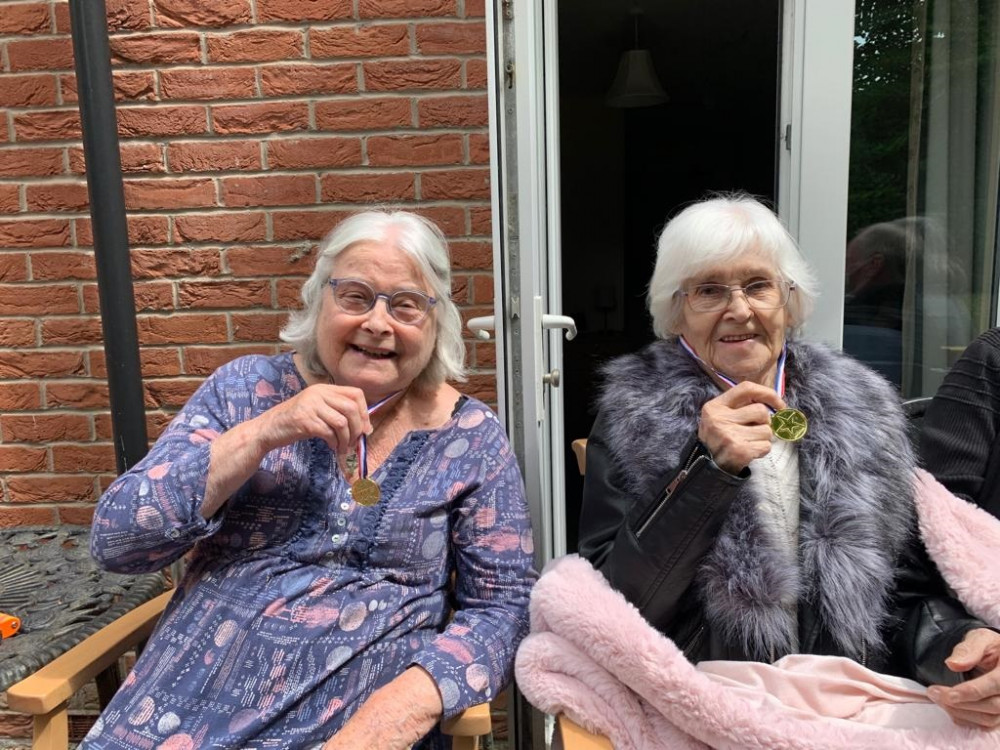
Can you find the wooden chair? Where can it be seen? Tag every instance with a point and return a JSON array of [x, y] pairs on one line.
[[580, 451], [571, 736], [45, 694]]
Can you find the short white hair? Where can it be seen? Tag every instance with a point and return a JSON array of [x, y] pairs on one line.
[[717, 231], [422, 241]]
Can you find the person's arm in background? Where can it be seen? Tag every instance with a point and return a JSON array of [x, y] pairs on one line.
[[960, 446], [941, 645], [932, 621], [961, 430], [954, 653]]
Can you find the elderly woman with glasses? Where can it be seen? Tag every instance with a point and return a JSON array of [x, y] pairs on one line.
[[751, 493], [360, 547]]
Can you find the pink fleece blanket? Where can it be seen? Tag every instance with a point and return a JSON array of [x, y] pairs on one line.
[[592, 656]]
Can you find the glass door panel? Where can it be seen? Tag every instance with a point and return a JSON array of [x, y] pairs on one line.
[[920, 277]]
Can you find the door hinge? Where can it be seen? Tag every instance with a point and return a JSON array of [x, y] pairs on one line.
[[508, 10], [788, 137]]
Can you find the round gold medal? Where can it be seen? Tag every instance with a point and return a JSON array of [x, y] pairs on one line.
[[789, 424], [365, 492]]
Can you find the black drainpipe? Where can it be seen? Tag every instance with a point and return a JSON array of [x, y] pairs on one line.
[[92, 54]]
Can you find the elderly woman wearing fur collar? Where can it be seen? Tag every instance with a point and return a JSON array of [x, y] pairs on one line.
[[734, 533]]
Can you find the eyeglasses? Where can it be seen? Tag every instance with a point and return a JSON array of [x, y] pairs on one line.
[[767, 294], [356, 297]]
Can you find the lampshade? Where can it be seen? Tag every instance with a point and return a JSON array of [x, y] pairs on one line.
[[636, 84]]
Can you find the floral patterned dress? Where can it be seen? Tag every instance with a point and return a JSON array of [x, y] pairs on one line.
[[297, 602]]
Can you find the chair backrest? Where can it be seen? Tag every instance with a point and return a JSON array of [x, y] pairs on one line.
[[580, 451], [915, 408]]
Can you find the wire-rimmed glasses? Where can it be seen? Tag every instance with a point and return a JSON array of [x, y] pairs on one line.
[[357, 297], [766, 294]]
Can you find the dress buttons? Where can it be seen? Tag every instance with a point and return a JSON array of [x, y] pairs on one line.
[[341, 522], [335, 538], [345, 506]]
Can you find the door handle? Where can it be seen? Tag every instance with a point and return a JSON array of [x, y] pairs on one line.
[[550, 322], [482, 326]]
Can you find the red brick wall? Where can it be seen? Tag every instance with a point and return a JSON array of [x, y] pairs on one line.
[[248, 129]]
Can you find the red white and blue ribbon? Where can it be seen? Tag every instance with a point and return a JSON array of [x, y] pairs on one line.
[[363, 440]]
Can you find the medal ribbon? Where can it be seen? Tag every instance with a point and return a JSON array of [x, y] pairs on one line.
[[779, 376], [363, 440]]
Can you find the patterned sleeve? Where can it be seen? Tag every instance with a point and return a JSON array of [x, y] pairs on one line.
[[149, 516], [472, 659]]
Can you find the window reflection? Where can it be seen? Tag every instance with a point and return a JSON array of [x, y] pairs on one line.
[[922, 208]]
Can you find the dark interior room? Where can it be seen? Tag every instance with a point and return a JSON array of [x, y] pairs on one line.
[[625, 170]]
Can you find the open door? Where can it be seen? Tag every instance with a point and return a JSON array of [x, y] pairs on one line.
[[528, 324]]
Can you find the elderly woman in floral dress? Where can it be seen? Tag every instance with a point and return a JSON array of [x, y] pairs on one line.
[[341, 502]]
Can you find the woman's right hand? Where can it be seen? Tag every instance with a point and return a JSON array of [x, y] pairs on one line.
[[336, 414], [736, 425]]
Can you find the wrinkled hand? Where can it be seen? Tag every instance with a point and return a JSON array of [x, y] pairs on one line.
[[735, 426], [395, 717], [334, 413], [975, 702]]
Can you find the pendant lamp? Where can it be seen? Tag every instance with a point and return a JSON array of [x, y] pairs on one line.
[[636, 84]]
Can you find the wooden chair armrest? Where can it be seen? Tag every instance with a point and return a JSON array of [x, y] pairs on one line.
[[56, 682], [574, 737], [472, 722]]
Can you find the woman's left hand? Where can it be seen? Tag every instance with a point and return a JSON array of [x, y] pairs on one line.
[[395, 717], [977, 701]]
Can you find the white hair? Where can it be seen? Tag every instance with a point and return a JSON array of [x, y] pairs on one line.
[[422, 241], [717, 231]]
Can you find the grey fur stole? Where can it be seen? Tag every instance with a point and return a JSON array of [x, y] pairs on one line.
[[856, 471]]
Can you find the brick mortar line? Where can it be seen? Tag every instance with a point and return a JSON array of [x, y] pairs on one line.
[[153, 177], [418, 94], [135, 178], [227, 140], [354, 22], [201, 210], [315, 61]]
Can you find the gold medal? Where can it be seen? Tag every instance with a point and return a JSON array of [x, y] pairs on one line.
[[789, 424], [365, 492]]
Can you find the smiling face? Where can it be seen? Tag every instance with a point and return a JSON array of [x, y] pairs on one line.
[[374, 351], [738, 341]]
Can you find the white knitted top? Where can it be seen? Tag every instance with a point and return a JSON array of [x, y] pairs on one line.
[[774, 478]]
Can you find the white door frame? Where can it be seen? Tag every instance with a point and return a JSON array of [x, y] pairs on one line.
[[814, 163], [524, 172]]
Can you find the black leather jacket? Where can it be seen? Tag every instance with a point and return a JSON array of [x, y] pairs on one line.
[[650, 546]]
